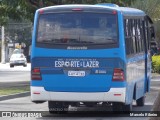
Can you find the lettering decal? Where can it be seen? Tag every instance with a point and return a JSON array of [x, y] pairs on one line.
[[77, 63]]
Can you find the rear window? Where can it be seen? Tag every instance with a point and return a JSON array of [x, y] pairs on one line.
[[77, 28], [17, 56]]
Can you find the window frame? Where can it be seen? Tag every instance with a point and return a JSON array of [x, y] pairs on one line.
[[89, 46]]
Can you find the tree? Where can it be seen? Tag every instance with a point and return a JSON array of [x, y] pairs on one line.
[[25, 9], [17, 10], [151, 8], [8, 11]]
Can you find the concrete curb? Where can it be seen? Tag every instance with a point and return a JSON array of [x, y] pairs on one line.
[[156, 107], [7, 97]]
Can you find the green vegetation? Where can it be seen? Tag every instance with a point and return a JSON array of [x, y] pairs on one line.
[[152, 9], [17, 10], [13, 90], [156, 63], [25, 9]]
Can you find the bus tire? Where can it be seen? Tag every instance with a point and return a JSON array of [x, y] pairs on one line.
[[90, 104], [127, 108], [11, 66], [140, 101], [120, 107], [57, 107], [117, 107], [25, 65]]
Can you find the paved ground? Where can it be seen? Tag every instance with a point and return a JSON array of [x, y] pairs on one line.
[[6, 67], [14, 77], [25, 104], [18, 76]]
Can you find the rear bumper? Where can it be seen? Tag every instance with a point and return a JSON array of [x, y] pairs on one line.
[[113, 95], [17, 63]]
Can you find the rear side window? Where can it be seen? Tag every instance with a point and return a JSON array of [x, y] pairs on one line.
[[134, 36]]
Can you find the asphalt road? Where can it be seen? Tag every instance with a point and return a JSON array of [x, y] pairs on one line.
[[14, 77], [25, 104], [21, 76]]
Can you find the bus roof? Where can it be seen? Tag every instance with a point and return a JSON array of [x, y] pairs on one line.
[[126, 11]]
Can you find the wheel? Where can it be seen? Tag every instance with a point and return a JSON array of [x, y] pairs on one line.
[[120, 107], [117, 107], [127, 108], [25, 65], [90, 104], [11, 66], [57, 107], [140, 101]]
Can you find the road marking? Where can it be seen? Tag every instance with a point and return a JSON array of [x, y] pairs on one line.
[[155, 88], [149, 103], [155, 80]]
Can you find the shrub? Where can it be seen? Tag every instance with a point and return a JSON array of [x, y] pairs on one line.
[[156, 63]]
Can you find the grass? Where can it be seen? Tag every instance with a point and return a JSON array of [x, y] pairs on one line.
[[14, 90]]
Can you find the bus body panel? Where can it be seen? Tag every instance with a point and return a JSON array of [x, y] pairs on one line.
[[110, 96], [98, 70], [149, 74], [136, 74], [135, 70]]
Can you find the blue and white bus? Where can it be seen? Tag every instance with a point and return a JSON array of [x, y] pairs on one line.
[[90, 54]]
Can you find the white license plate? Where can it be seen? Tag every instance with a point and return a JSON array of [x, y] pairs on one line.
[[76, 73], [19, 61]]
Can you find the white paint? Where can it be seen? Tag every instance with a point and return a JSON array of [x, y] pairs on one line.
[[155, 80], [77, 63], [3, 60], [78, 96], [155, 88]]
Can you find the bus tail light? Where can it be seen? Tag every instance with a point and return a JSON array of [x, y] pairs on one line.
[[114, 12], [36, 74], [77, 9], [41, 11], [118, 75]]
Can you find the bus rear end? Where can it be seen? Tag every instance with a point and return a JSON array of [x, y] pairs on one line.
[[77, 56]]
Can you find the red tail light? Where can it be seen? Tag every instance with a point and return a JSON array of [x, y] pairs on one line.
[[36, 74], [118, 75], [41, 11], [114, 12], [77, 9]]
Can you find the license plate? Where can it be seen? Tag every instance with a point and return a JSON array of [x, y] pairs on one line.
[[19, 61], [76, 73]]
